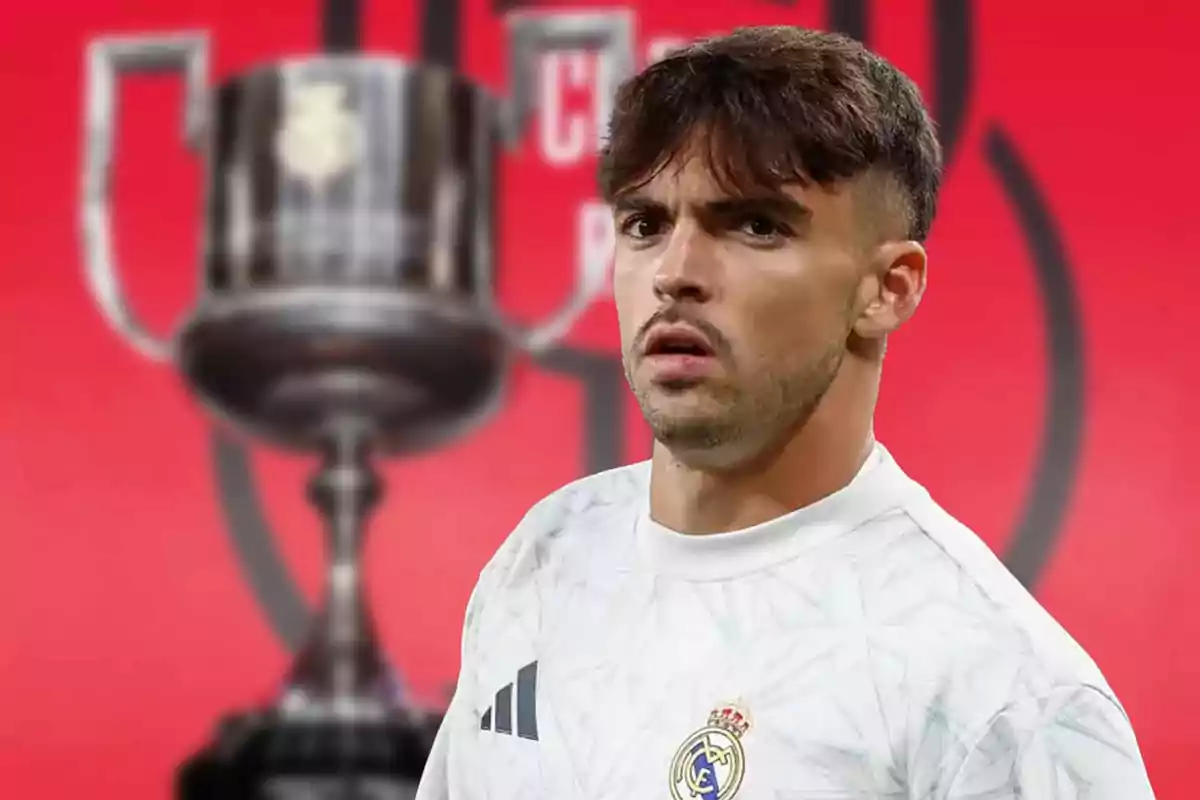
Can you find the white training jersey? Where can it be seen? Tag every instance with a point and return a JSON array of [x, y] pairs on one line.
[[866, 646]]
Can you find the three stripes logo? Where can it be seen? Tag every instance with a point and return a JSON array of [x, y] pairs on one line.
[[499, 716]]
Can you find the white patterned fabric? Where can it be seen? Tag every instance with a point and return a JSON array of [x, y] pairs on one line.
[[867, 646]]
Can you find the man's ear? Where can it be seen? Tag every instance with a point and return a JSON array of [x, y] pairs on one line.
[[892, 288]]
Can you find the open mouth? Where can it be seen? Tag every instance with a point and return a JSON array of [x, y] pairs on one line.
[[678, 342]]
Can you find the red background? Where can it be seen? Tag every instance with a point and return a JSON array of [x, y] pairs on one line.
[[126, 625]]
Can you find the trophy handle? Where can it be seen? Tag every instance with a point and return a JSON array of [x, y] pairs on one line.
[[107, 60], [610, 33]]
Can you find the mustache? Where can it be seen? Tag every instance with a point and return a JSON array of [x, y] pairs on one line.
[[679, 314]]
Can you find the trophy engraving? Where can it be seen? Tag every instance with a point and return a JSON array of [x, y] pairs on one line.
[[346, 311]]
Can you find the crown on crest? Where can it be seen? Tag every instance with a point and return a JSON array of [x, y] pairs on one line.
[[731, 719]]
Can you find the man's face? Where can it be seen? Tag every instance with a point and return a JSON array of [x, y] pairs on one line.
[[734, 311]]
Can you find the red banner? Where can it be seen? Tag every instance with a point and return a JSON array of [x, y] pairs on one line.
[[155, 572]]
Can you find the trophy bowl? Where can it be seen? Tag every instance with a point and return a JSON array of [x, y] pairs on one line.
[[291, 365]]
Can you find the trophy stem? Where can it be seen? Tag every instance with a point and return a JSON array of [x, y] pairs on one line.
[[341, 729], [341, 669]]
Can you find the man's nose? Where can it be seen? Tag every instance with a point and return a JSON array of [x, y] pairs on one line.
[[685, 271]]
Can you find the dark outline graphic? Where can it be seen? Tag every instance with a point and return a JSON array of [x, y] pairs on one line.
[[1053, 475], [1057, 462]]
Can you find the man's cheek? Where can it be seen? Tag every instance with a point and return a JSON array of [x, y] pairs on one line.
[[630, 318]]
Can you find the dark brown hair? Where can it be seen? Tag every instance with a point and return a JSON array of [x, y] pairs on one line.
[[778, 104]]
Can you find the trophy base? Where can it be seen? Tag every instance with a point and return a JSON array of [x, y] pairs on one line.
[[287, 365], [266, 757]]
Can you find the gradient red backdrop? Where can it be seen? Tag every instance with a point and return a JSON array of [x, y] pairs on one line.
[[126, 620]]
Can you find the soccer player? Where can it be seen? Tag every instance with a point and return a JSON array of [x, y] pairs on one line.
[[770, 607]]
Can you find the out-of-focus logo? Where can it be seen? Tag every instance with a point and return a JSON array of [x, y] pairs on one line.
[[320, 138]]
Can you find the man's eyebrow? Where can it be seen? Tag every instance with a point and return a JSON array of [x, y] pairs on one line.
[[635, 202], [776, 205]]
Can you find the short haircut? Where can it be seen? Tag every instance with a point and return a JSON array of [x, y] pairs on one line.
[[779, 104]]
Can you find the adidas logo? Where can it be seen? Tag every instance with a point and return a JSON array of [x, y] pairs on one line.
[[499, 716]]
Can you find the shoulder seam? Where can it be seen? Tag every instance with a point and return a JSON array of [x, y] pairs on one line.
[[1007, 610]]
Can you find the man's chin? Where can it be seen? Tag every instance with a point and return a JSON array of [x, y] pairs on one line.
[[688, 412], [686, 407], [687, 425]]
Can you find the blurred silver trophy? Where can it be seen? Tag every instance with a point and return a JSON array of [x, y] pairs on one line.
[[347, 309]]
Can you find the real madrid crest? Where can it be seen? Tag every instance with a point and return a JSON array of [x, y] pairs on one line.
[[711, 762], [320, 137]]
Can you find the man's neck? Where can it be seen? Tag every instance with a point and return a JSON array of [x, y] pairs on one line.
[[820, 459]]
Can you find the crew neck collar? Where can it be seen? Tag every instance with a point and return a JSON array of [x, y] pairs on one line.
[[878, 486]]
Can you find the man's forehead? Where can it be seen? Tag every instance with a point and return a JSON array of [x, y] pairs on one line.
[[694, 179], [692, 186], [691, 180], [713, 197]]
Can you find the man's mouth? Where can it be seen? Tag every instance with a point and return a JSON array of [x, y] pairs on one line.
[[679, 355], [678, 340]]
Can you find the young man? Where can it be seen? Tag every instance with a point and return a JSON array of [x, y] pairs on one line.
[[770, 607]]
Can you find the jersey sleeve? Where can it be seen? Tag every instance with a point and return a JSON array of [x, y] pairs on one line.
[[1075, 742]]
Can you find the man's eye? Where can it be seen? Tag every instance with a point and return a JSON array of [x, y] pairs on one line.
[[761, 228], [639, 226]]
